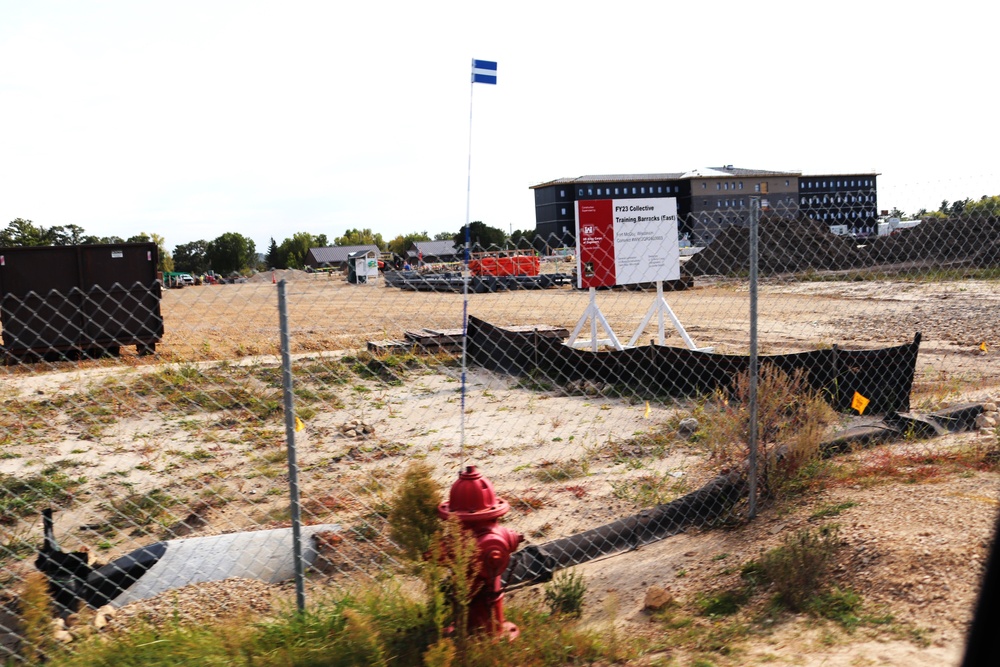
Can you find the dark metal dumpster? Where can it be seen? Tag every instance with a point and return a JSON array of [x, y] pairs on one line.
[[82, 298]]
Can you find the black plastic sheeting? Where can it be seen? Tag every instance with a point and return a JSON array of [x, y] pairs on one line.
[[537, 563], [716, 500], [883, 376]]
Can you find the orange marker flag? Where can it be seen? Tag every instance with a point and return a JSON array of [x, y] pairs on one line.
[[859, 403], [982, 346], [646, 415], [299, 426]]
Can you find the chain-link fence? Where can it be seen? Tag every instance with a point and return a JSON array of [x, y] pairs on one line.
[[153, 422]]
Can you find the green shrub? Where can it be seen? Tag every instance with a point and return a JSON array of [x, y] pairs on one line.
[[564, 594], [797, 569], [413, 517]]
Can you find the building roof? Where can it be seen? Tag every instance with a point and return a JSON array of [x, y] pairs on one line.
[[339, 254], [433, 248], [817, 174], [726, 171]]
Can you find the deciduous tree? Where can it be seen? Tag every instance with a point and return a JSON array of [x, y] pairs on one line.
[[402, 243], [482, 236], [360, 237], [191, 257], [231, 252]]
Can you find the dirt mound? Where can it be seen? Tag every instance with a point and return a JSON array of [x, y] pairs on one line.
[[789, 246], [784, 246], [279, 274], [941, 241]]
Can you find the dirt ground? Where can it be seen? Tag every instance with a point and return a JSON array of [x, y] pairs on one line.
[[913, 549]]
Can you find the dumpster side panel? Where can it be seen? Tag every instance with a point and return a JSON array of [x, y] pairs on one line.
[[41, 302], [79, 297], [122, 304]]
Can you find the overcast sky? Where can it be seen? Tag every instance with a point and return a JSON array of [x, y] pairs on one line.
[[191, 119]]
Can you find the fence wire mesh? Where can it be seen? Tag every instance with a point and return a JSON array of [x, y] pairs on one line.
[[149, 419]]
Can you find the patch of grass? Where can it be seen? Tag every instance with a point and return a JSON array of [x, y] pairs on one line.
[[189, 389], [648, 490], [828, 511], [560, 471], [797, 569], [373, 625], [363, 532], [723, 603], [526, 503], [390, 369], [22, 496], [564, 594], [885, 464], [16, 546], [142, 511], [841, 606]]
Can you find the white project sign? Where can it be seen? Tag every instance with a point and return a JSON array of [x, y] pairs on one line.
[[627, 241]]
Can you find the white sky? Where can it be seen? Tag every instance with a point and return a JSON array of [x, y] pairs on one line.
[[191, 119]]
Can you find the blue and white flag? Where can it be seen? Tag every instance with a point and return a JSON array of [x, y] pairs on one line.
[[484, 71]]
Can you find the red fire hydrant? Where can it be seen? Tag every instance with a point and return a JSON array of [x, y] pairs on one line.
[[475, 503]]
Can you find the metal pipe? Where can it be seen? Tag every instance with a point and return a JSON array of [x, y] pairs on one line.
[[293, 466], [754, 361]]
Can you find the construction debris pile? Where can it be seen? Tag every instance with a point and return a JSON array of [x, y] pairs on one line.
[[793, 246]]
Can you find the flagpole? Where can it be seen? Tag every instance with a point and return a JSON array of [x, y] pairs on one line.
[[483, 71], [465, 278]]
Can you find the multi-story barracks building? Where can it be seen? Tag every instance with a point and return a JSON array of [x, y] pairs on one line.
[[711, 198]]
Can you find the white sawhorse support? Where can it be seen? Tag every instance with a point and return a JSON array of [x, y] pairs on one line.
[[594, 314], [659, 307]]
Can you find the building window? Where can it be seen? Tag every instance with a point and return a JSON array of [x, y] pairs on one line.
[[581, 192], [741, 185], [590, 191], [703, 186], [598, 191], [786, 181], [633, 189], [616, 190], [563, 210], [642, 190], [756, 187], [562, 193]]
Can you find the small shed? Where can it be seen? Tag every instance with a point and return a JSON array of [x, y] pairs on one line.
[[433, 252], [362, 267], [336, 257]]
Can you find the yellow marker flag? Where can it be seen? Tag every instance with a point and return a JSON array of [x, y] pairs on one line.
[[859, 403], [646, 415], [982, 346], [299, 426]]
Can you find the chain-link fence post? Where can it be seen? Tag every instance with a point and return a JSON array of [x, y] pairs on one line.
[[293, 467], [752, 398]]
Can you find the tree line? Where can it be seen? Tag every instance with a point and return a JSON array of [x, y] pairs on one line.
[[234, 253]]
